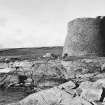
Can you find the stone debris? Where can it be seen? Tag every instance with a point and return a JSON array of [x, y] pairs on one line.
[[87, 88]]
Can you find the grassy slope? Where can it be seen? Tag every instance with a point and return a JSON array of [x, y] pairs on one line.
[[31, 51]]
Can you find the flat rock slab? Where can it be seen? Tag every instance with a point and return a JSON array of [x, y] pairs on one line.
[[91, 93]]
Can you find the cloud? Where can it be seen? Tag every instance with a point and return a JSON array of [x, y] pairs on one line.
[[1, 46], [41, 22], [3, 21]]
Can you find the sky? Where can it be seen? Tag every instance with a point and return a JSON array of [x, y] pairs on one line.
[[39, 23]]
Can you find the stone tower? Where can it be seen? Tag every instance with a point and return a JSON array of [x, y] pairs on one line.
[[85, 36]]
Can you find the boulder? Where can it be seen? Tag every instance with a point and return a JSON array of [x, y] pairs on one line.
[[54, 96], [46, 97], [100, 83], [92, 91], [87, 93], [67, 85]]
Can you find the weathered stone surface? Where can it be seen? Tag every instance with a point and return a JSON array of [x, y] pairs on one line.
[[67, 85], [100, 83], [85, 69], [88, 93], [47, 97], [85, 36], [57, 95], [79, 101], [91, 91]]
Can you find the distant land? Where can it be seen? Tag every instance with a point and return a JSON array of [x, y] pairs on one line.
[[35, 51]]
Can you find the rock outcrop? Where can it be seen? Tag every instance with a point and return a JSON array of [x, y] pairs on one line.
[[88, 93]]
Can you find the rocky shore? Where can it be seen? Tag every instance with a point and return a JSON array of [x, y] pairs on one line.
[[85, 86], [78, 78]]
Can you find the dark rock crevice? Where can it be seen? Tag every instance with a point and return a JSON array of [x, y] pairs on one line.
[[102, 95]]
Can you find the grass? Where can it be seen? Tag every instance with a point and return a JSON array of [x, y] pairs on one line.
[[31, 51]]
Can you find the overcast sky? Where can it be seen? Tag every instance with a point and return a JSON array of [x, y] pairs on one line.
[[36, 23]]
